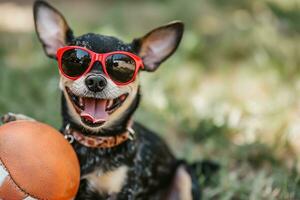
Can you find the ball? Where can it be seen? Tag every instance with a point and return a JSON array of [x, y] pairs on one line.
[[36, 162]]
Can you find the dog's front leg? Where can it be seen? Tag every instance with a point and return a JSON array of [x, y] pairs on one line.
[[9, 117], [130, 189], [126, 194], [87, 192]]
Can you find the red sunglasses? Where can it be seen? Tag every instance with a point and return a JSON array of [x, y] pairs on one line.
[[120, 66]]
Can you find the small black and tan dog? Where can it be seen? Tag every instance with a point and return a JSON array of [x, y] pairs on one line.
[[99, 79]]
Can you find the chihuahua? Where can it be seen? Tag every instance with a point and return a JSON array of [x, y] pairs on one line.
[[99, 78]]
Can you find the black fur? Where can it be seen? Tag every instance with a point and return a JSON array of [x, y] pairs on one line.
[[150, 161], [101, 43], [149, 177], [151, 165]]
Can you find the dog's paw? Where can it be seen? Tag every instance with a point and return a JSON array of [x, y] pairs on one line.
[[9, 117]]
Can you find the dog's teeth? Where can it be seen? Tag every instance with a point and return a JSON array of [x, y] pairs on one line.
[[81, 101], [107, 104], [110, 103], [123, 97]]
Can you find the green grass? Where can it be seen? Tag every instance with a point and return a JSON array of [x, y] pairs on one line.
[[230, 93]]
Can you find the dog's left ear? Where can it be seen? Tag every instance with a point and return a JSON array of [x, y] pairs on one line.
[[51, 27], [157, 45]]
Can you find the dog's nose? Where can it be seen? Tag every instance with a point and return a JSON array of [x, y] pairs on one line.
[[95, 83]]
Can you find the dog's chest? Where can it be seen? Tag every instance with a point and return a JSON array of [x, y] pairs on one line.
[[110, 182]]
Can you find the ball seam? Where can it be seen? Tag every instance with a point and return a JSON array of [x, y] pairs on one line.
[[17, 185]]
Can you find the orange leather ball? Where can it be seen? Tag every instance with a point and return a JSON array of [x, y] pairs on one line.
[[36, 162]]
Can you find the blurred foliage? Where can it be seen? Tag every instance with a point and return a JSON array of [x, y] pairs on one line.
[[230, 93]]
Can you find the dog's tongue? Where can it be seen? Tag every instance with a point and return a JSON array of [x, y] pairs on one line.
[[94, 110]]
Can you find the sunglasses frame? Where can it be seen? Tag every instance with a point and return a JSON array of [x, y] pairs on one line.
[[101, 57]]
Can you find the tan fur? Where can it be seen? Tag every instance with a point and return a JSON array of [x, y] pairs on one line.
[[181, 189], [110, 182], [132, 89]]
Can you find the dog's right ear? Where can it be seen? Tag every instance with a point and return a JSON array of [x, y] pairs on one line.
[[51, 27], [159, 44]]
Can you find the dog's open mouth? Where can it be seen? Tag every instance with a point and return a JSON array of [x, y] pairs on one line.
[[94, 111]]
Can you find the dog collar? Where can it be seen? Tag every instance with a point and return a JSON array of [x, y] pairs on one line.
[[98, 141]]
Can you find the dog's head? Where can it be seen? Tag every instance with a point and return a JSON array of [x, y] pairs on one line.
[[94, 100]]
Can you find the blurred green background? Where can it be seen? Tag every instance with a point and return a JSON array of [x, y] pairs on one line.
[[230, 93]]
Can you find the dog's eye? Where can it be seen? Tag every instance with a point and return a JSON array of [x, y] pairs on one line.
[[75, 62], [120, 67]]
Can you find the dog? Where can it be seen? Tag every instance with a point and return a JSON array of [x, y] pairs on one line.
[[99, 78]]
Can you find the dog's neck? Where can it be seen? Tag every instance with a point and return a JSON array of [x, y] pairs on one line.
[[125, 151]]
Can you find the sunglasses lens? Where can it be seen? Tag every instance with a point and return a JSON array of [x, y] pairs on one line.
[[120, 67], [75, 62]]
